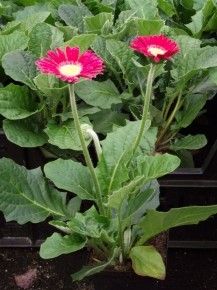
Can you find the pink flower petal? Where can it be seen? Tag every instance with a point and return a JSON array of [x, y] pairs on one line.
[[166, 47], [91, 64]]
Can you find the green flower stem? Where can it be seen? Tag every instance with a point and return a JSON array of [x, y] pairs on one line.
[[171, 118], [147, 100], [84, 148]]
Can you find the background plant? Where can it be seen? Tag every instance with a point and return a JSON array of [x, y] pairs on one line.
[[37, 106]]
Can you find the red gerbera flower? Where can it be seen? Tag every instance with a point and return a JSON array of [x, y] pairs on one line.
[[157, 47], [69, 65]]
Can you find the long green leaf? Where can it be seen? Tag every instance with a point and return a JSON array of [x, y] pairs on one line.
[[190, 142], [91, 270], [156, 222]]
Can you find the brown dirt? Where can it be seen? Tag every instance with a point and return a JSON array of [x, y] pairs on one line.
[[51, 274]]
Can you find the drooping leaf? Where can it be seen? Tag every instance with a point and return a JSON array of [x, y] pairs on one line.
[[44, 37], [25, 196], [189, 142], [146, 261], [24, 133], [99, 94], [91, 270], [16, 102], [16, 40], [20, 66], [57, 245], [156, 222], [71, 176], [65, 135]]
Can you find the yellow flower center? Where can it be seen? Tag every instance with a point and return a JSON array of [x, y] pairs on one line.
[[156, 50], [70, 70]]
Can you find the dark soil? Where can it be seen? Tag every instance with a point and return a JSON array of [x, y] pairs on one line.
[[51, 274], [186, 270]]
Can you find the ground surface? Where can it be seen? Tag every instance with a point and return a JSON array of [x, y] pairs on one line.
[[187, 270]]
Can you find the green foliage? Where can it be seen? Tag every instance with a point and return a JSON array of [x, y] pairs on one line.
[[146, 261], [144, 9], [84, 41], [20, 66], [98, 94], [16, 102], [91, 270], [51, 86], [73, 15], [57, 245], [30, 17], [112, 168], [191, 108], [16, 40], [25, 196], [65, 135], [156, 222], [36, 112], [97, 24], [71, 176], [44, 37], [29, 133], [190, 142]]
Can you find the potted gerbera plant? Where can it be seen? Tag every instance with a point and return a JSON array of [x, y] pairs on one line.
[[123, 220]]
